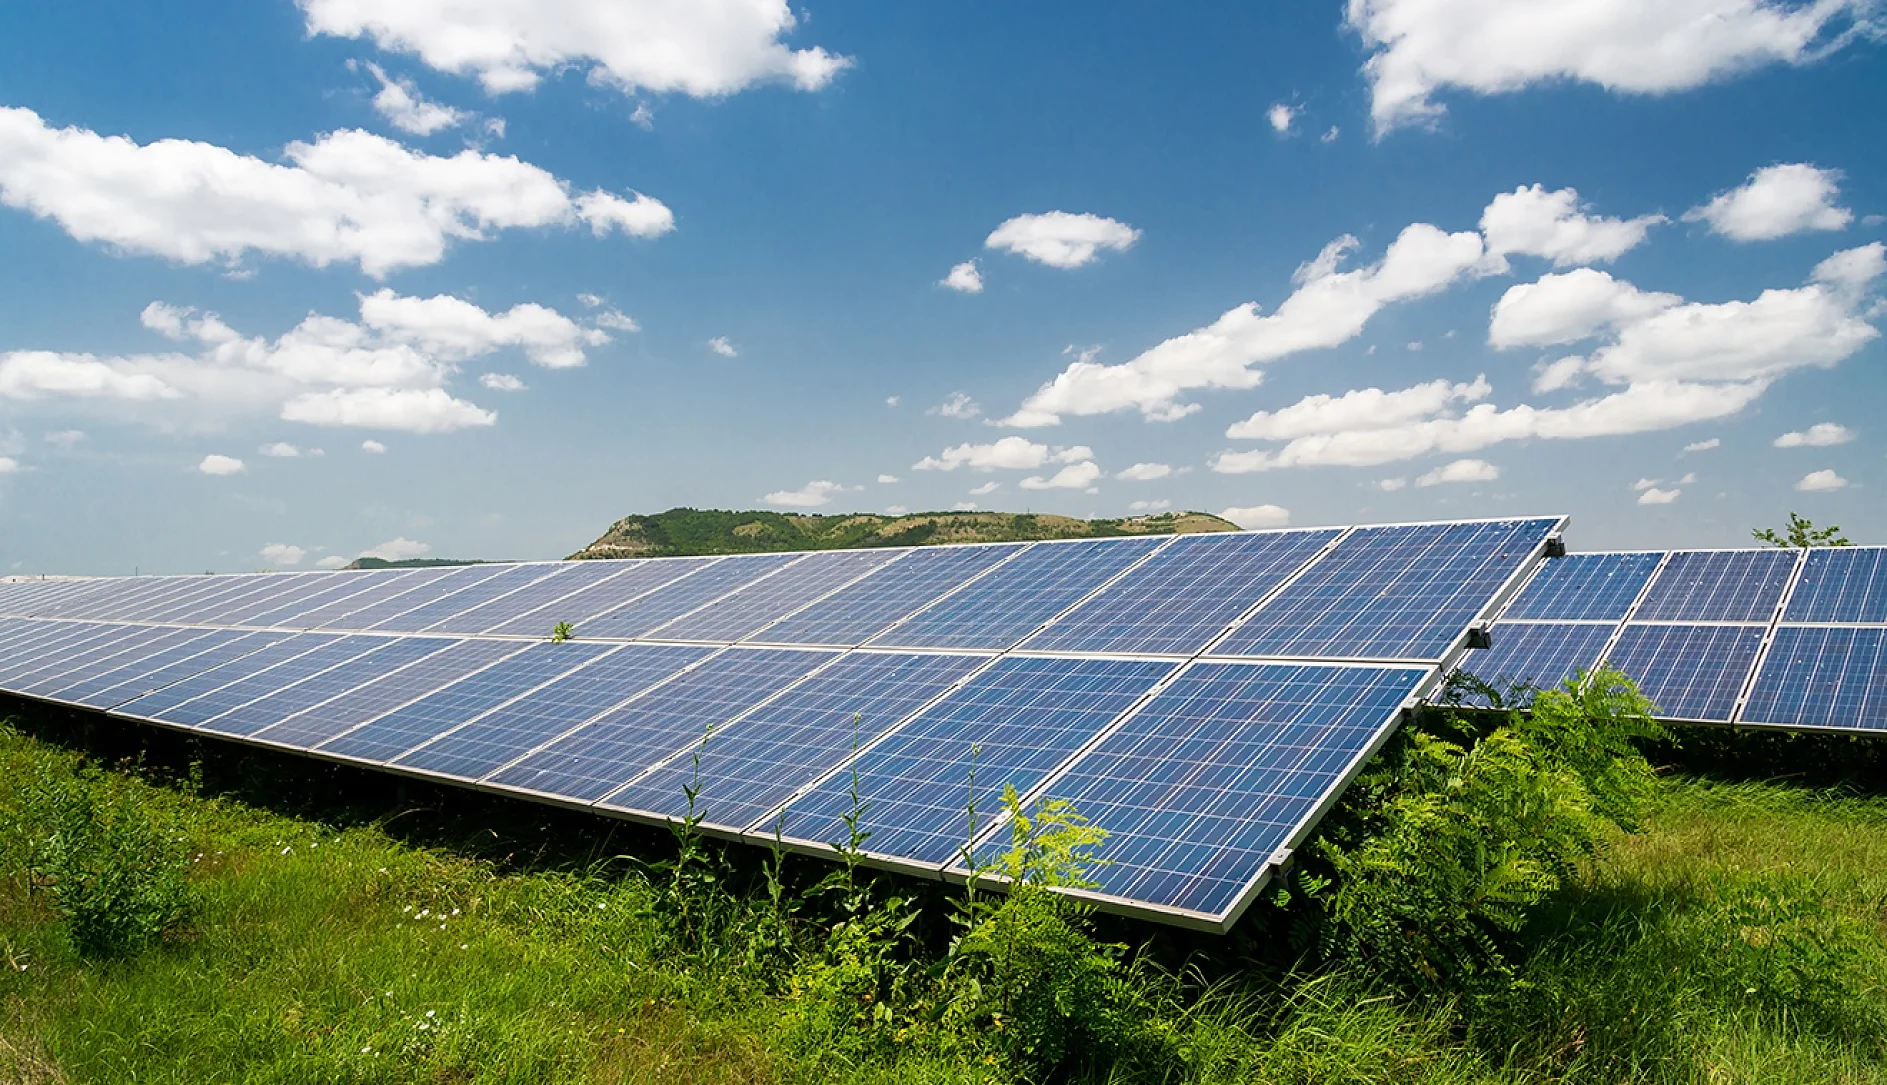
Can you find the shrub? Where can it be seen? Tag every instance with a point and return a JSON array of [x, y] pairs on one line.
[[113, 874]]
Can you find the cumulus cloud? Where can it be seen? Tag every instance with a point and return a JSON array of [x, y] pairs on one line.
[[332, 561], [1009, 453], [1776, 201], [1256, 516], [1281, 117], [1460, 471], [986, 488], [957, 405], [1144, 472], [372, 447], [616, 320], [215, 464], [1569, 306], [1555, 225], [722, 346], [1148, 506], [65, 438], [1420, 47], [1365, 408], [812, 495], [348, 197], [283, 554], [454, 329], [886, 480], [501, 382], [1060, 239], [704, 48], [414, 410], [1654, 496], [398, 549], [1075, 476], [1391, 485], [1819, 435], [10, 466], [280, 450], [1329, 307], [964, 278], [44, 374], [400, 102], [1704, 445], [1820, 482]]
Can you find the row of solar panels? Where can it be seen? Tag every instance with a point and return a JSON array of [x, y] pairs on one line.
[[1204, 771], [1765, 638]]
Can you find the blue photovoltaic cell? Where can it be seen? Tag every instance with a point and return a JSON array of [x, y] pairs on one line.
[[853, 615], [614, 749], [207, 710], [42, 643], [384, 656], [95, 594], [1533, 656], [1012, 724], [1014, 600], [219, 648], [341, 586], [751, 768], [166, 646], [313, 726], [1406, 592], [1183, 596], [155, 606], [1718, 586], [215, 610], [1585, 587], [632, 580], [559, 582], [510, 731], [1200, 788], [418, 592], [124, 603], [754, 606], [1822, 676], [387, 584], [436, 713], [458, 597], [638, 616], [1841, 584], [139, 643], [1691, 672], [308, 588], [172, 703], [72, 655]]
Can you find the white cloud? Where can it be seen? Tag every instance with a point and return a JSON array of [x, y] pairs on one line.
[[1704, 445], [10, 466], [413, 410], [896, 510], [1689, 478], [615, 320], [1460, 471], [986, 488], [65, 438], [1819, 435], [1643, 484], [1655, 496], [963, 506], [1010, 453], [812, 495], [400, 102], [1852, 270], [332, 561], [1144, 472], [455, 330], [886, 480], [372, 447], [1281, 116], [1256, 516], [1534, 222], [397, 549], [1331, 135], [1569, 306], [964, 278], [1328, 308], [703, 48], [720, 345], [1391, 485], [589, 300], [1365, 408], [1820, 482], [280, 450], [1148, 506], [501, 382], [214, 464], [643, 117], [891, 401], [1413, 346], [283, 554], [1776, 201], [43, 374], [1419, 47], [957, 405], [1075, 476], [1060, 239], [348, 197]]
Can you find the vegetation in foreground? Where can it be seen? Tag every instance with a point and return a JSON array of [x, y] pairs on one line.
[[1502, 899]]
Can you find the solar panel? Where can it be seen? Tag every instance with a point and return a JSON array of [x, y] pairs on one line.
[[381, 585], [1534, 656], [339, 586], [137, 642], [163, 646], [628, 581], [262, 589], [647, 612], [615, 748], [1691, 672], [207, 710], [746, 610], [1585, 587], [317, 688], [1841, 584], [748, 769], [460, 596], [313, 726], [220, 646], [429, 585], [73, 654], [1718, 586], [1404, 592], [929, 787], [855, 614], [405, 727], [1015, 600], [1822, 677], [172, 703], [185, 593], [304, 590], [512, 730], [558, 581], [1185, 595], [1203, 788], [40, 643]]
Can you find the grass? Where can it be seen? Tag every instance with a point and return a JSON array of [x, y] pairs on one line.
[[1740, 936]]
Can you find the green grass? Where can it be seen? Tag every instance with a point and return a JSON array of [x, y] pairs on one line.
[[1741, 936]]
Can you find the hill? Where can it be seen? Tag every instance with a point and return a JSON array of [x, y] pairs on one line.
[[719, 531]]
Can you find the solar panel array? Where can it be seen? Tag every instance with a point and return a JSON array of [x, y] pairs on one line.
[[1793, 639], [1203, 698]]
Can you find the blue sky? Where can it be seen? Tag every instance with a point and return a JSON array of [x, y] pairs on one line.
[[518, 269]]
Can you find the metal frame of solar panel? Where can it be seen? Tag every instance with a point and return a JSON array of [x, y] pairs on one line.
[[1308, 759], [1823, 664]]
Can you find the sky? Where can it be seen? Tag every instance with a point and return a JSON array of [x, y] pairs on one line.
[[288, 282]]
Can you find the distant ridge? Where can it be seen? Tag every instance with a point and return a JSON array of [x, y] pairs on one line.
[[720, 531], [411, 563]]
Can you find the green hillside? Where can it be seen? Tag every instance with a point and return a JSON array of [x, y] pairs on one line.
[[721, 531]]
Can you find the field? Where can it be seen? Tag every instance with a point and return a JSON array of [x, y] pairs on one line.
[[346, 931]]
